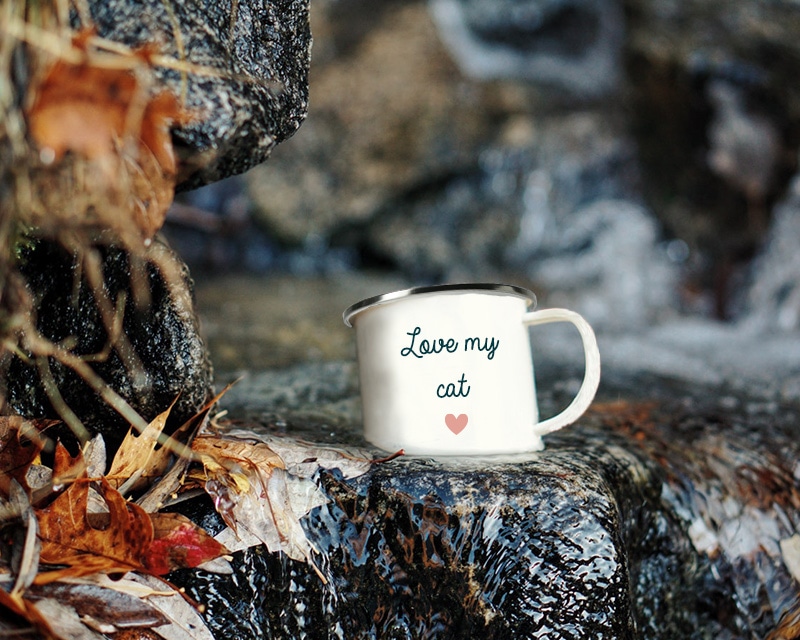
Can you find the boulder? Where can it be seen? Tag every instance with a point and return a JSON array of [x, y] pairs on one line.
[[161, 359], [668, 511], [239, 70], [248, 89]]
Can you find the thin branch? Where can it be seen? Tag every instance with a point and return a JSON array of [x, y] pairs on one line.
[[112, 318], [57, 400], [41, 346]]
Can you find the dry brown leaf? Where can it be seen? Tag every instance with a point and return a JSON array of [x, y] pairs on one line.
[[166, 487], [47, 617], [304, 459], [127, 584], [138, 461], [69, 537], [25, 552], [185, 622], [170, 482], [137, 634], [60, 621], [19, 446], [13, 603], [82, 108], [94, 454], [88, 108], [67, 469], [230, 452], [106, 114], [102, 606]]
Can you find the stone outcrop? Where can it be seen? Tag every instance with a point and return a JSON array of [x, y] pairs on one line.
[[161, 359], [249, 87], [240, 73], [670, 513]]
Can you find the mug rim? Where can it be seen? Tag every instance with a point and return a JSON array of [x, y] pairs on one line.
[[480, 287]]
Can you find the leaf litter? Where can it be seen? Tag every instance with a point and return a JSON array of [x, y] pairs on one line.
[[62, 538], [90, 139]]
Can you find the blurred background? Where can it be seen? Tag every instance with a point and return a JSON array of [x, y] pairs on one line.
[[633, 160]]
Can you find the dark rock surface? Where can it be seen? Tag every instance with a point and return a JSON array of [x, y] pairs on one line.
[[256, 93], [669, 511], [163, 334]]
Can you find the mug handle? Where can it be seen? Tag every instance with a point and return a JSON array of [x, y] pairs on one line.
[[591, 376]]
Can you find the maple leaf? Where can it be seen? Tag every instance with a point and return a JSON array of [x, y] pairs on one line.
[[69, 537], [179, 544]]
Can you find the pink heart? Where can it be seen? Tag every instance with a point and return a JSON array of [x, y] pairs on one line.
[[456, 425]]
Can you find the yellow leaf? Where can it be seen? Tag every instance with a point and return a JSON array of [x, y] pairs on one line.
[[227, 452], [138, 460]]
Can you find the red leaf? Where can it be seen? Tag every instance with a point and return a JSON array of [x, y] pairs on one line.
[[179, 544]]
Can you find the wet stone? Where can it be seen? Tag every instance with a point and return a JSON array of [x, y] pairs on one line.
[[162, 332], [668, 514], [252, 91]]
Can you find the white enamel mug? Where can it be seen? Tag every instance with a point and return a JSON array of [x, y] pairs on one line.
[[447, 370]]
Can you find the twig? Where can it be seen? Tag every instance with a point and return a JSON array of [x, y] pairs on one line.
[[41, 346], [57, 400]]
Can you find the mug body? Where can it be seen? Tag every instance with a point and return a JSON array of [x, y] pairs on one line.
[[447, 370]]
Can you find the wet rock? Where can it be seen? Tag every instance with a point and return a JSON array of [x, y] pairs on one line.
[[715, 114], [162, 358], [253, 90], [573, 45], [750, 40], [669, 514], [359, 162]]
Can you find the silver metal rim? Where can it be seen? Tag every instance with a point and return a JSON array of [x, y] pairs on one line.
[[480, 287]]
